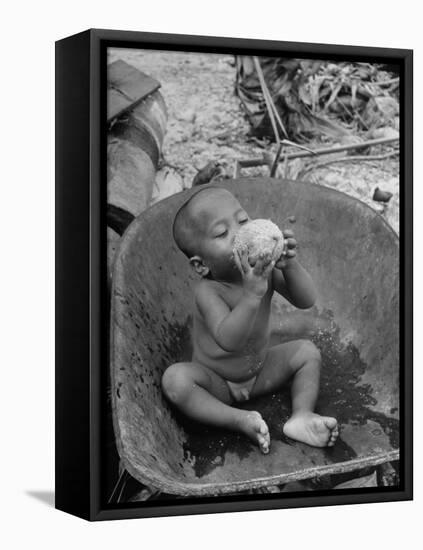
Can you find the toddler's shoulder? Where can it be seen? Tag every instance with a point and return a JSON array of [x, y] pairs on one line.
[[208, 293], [205, 287]]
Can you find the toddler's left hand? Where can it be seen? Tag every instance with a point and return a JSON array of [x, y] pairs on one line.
[[290, 249]]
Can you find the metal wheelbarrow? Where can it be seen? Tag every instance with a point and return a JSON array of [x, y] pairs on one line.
[[353, 257]]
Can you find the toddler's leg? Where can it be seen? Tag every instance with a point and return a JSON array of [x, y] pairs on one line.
[[204, 396], [300, 359]]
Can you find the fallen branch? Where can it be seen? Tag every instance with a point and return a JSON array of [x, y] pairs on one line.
[[259, 161], [349, 158]]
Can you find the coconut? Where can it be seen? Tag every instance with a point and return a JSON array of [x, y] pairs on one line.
[[259, 237]]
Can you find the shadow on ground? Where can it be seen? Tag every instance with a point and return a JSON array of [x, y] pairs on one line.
[[46, 497]]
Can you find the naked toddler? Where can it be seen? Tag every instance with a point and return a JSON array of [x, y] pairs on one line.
[[232, 360]]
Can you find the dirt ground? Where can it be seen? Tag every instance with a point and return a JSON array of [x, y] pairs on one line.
[[206, 123]]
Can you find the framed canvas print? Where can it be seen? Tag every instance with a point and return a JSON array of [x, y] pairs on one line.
[[234, 274]]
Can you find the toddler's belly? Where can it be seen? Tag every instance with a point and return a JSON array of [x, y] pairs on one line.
[[230, 366]]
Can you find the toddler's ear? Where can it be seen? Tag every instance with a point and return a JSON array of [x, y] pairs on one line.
[[199, 266]]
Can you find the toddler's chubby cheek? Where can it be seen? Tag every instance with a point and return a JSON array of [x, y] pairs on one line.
[[259, 237]]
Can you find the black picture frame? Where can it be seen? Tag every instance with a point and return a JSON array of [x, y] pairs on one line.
[[81, 290]]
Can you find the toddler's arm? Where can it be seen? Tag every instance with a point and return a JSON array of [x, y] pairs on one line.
[[295, 284], [290, 279], [231, 328]]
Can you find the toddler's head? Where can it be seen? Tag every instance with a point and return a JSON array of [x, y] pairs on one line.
[[204, 229]]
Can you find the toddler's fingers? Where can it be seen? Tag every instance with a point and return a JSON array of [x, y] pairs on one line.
[[291, 243], [244, 260], [238, 261], [288, 233], [258, 267], [262, 263], [268, 269]]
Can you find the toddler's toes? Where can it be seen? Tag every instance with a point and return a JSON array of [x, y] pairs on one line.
[[333, 437], [253, 425], [264, 437], [312, 429], [264, 429], [330, 423], [263, 443]]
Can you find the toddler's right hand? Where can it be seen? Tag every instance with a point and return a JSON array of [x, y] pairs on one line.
[[255, 278]]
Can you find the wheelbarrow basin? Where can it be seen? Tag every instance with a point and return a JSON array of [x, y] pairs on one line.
[[352, 255]]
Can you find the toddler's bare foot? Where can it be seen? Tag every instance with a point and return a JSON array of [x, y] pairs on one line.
[[313, 429], [252, 424]]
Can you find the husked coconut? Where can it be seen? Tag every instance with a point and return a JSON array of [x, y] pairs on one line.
[[259, 237]]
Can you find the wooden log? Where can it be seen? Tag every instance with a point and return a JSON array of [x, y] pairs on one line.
[[130, 176]]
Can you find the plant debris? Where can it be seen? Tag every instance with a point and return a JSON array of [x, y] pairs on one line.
[[315, 98]]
